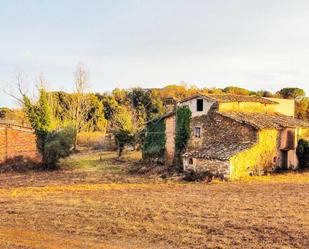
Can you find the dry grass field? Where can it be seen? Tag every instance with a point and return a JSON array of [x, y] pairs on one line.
[[93, 203]]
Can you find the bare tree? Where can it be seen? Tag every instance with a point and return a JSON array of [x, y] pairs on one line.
[[20, 84], [80, 104]]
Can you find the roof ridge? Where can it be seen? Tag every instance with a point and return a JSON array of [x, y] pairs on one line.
[[264, 120], [229, 98]]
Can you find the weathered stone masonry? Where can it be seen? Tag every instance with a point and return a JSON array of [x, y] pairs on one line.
[[16, 141], [234, 136]]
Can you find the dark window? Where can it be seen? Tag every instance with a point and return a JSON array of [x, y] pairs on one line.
[[290, 142], [199, 105], [191, 161], [197, 132]]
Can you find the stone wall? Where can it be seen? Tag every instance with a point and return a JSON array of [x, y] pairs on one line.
[[170, 123], [216, 129], [215, 167], [16, 141]]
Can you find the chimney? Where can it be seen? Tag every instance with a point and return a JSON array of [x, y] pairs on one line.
[[169, 104]]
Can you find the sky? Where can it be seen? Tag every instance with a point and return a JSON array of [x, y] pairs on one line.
[[256, 44]]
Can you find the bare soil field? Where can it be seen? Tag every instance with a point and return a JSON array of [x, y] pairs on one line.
[[93, 203]]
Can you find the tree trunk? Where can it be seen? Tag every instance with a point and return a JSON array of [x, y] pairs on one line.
[[120, 150], [75, 143]]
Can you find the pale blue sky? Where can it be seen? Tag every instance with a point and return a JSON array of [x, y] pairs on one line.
[[257, 44]]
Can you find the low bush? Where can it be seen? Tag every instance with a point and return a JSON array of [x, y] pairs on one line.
[[303, 153], [58, 144], [192, 176]]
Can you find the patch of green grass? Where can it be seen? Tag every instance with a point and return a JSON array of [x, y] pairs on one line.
[[106, 162]]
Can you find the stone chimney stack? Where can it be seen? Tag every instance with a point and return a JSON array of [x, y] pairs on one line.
[[170, 104]]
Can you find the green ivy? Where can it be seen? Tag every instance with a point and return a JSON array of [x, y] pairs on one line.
[[39, 117], [154, 145], [183, 119]]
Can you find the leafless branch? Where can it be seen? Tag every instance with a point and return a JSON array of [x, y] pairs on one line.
[[20, 89]]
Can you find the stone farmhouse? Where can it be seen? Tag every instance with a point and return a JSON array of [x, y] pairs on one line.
[[233, 135]]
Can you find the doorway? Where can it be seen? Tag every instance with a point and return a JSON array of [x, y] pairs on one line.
[[284, 159]]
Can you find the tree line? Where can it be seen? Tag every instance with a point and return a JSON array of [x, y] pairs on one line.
[[124, 112]]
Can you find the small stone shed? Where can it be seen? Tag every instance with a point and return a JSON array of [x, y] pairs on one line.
[[233, 135], [17, 141]]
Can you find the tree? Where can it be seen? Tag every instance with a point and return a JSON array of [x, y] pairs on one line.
[[51, 144], [60, 105], [122, 128], [39, 117], [302, 109], [236, 90], [95, 120], [291, 93], [264, 93], [110, 104], [148, 102], [215, 91], [80, 103]]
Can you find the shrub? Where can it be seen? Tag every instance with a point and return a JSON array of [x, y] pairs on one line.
[[52, 145], [58, 144], [303, 152], [123, 138], [192, 176]]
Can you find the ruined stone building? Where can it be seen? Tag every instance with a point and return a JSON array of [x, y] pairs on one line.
[[234, 135]]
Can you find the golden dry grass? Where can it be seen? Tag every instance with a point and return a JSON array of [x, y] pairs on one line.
[[90, 139], [98, 205]]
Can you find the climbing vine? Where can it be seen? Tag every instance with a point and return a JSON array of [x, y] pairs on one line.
[[154, 145], [182, 131]]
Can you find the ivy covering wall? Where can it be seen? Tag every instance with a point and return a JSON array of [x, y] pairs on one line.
[[155, 140], [183, 131]]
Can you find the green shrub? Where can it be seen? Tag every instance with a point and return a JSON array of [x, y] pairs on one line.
[[58, 144], [123, 138], [52, 145], [303, 153]]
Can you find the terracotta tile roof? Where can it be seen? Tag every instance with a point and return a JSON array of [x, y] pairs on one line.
[[226, 98], [265, 120], [220, 151]]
